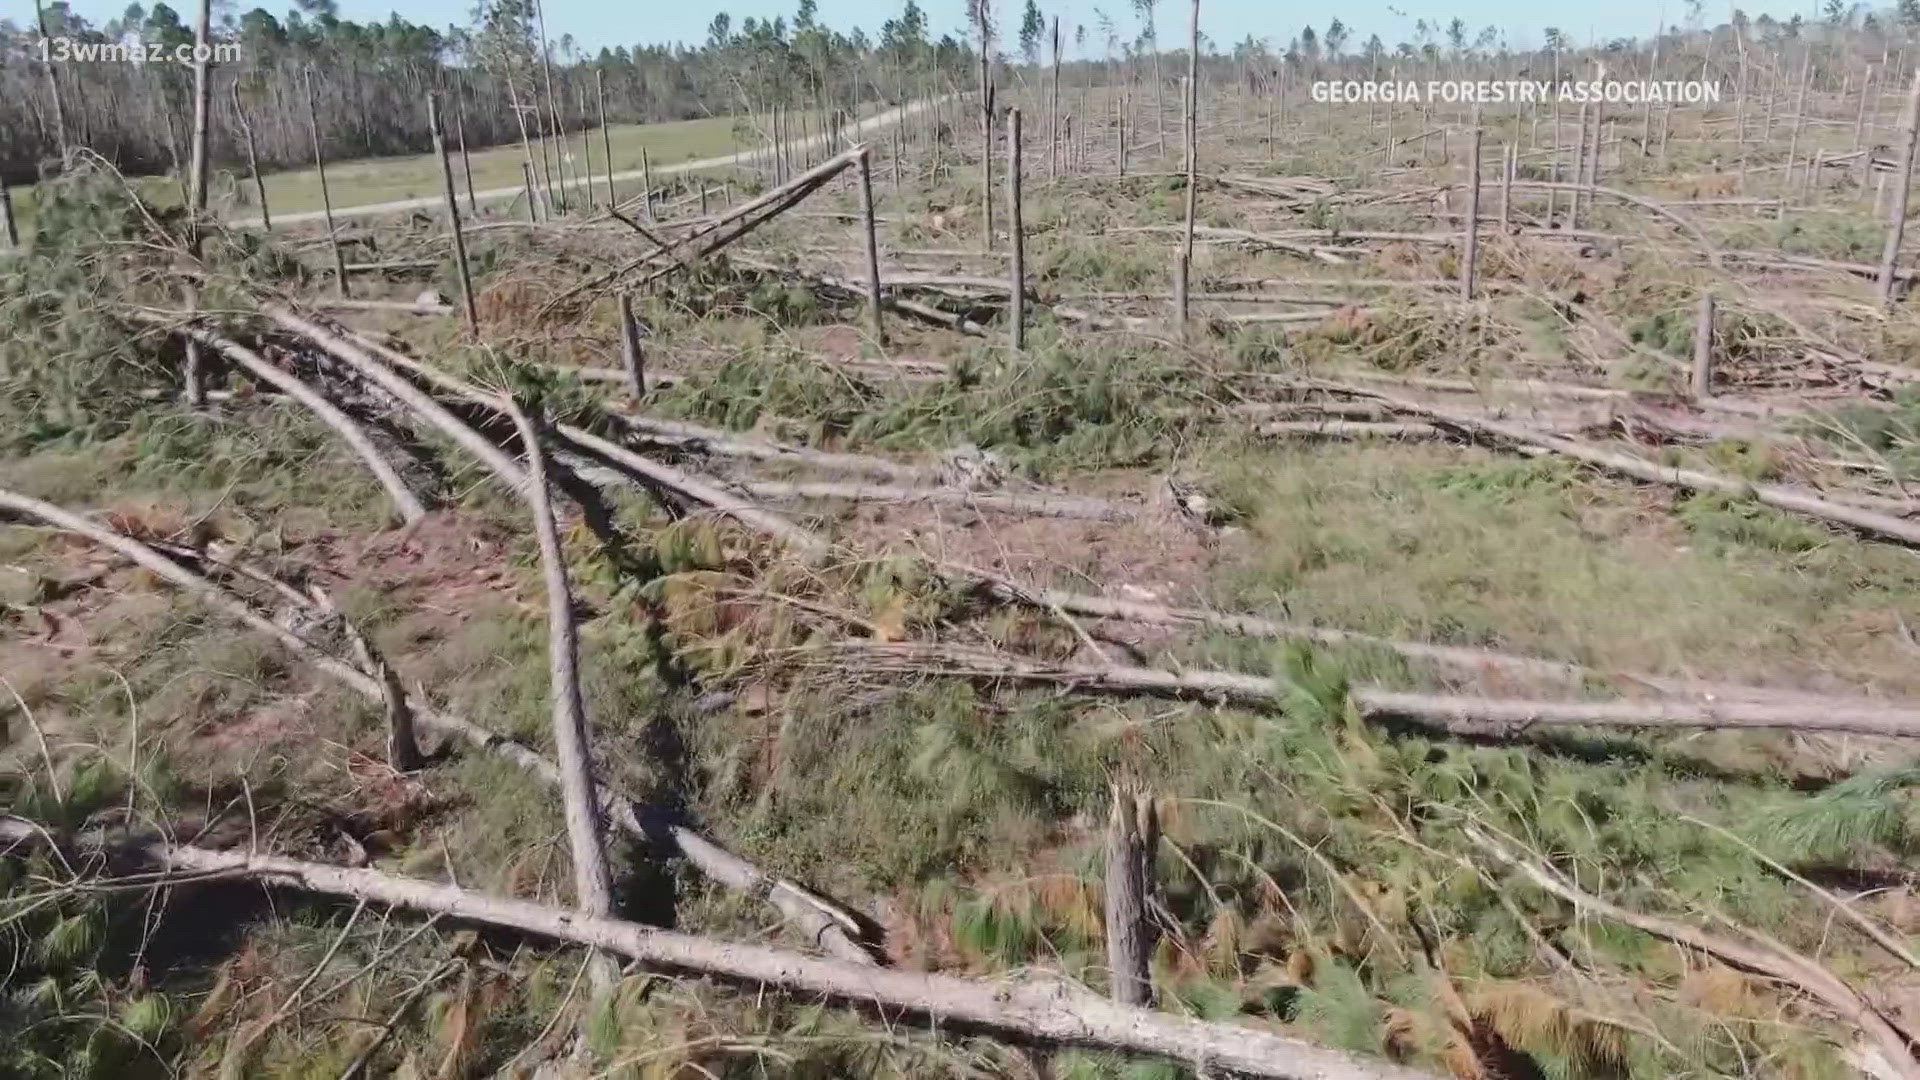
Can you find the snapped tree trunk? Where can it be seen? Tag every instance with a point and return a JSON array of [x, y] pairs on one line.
[[572, 742], [1133, 839], [1028, 1006], [631, 358], [453, 215], [197, 184], [326, 197], [1897, 219], [253, 156]]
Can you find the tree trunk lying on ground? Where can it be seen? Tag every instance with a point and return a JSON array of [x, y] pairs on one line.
[[401, 390], [822, 922], [695, 488], [1452, 713], [1027, 1007], [1457, 658], [1681, 221], [404, 500], [1780, 498], [1344, 429], [356, 352], [1474, 661], [572, 738], [697, 439], [1044, 504], [404, 307], [717, 233], [913, 308], [1524, 387], [1761, 954]]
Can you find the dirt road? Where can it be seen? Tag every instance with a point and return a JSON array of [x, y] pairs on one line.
[[876, 122]]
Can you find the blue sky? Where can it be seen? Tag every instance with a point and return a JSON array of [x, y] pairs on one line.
[[597, 22]]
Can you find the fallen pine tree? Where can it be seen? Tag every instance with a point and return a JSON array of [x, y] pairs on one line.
[[821, 921], [1695, 705], [1754, 951], [405, 502], [1029, 1007], [1530, 440], [1038, 503], [1455, 714]]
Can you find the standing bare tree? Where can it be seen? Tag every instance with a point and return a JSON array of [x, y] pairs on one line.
[[1897, 221], [504, 47], [1150, 37], [1133, 839], [980, 12], [586, 826], [1183, 275], [202, 110], [53, 83]]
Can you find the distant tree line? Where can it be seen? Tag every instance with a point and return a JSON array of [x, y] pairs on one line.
[[504, 80], [500, 77]]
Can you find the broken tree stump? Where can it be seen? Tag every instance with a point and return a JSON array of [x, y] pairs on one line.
[[1703, 349], [1133, 837], [631, 358]]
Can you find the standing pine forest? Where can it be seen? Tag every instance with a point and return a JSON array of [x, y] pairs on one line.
[[369, 79], [1025, 541]]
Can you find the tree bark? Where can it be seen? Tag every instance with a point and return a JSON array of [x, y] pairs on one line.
[[403, 745], [253, 157], [1657, 209], [326, 197], [1039, 504], [631, 357], [1793, 140], [716, 234], [1452, 713], [873, 248], [453, 216], [986, 124], [557, 142], [202, 104], [1053, 113], [655, 472], [1470, 256], [1508, 158], [1897, 217], [350, 432], [1183, 274], [466, 163], [1703, 348], [526, 143], [1779, 498], [606, 138], [195, 375], [1017, 265], [53, 84], [1133, 839], [1035, 1007], [572, 740], [408, 394], [646, 185], [9, 231]]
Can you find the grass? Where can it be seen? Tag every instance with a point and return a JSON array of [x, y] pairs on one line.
[[1317, 877], [374, 180], [361, 181], [1441, 544]]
